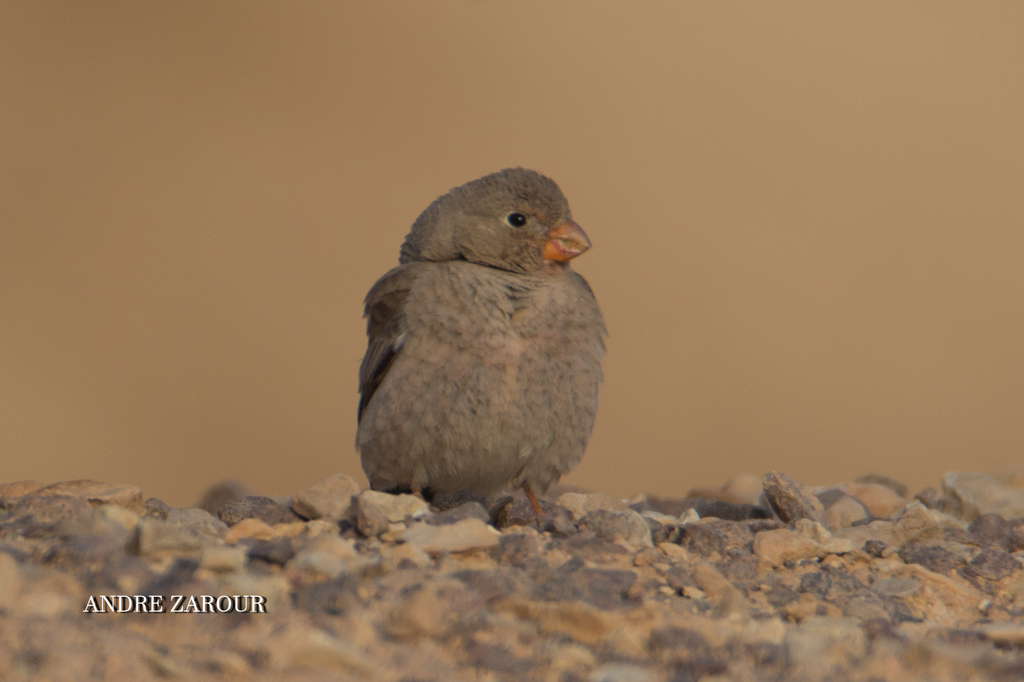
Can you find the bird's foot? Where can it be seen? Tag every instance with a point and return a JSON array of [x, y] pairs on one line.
[[416, 489], [533, 503]]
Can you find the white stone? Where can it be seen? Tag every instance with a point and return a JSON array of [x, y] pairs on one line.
[[461, 536], [122, 516], [659, 517], [689, 516], [396, 507], [331, 498]]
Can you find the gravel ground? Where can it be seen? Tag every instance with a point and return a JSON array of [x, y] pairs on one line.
[[763, 579]]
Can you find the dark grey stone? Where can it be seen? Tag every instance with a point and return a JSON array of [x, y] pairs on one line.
[[992, 563], [493, 583], [672, 637], [993, 529], [277, 551], [933, 557], [36, 516], [605, 589], [257, 507], [180, 573], [729, 511], [929, 497], [554, 518], [817, 583], [792, 500], [158, 509]]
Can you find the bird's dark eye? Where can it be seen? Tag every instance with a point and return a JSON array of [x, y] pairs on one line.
[[515, 219]]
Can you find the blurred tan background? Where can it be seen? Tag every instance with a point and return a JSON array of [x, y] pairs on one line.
[[808, 227]]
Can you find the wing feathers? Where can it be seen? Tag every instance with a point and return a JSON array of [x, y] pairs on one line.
[[385, 327]]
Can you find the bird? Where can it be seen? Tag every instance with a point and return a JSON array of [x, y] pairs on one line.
[[484, 350]]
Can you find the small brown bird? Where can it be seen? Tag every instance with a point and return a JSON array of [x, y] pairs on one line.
[[485, 348]]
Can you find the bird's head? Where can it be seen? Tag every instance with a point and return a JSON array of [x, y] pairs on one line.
[[515, 219]]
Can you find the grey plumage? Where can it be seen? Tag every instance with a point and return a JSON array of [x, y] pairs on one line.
[[484, 354]]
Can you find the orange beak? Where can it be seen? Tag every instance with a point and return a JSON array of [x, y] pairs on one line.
[[565, 241]]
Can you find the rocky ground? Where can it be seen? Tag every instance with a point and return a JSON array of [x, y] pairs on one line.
[[764, 579]]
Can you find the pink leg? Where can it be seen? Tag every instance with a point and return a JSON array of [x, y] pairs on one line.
[[533, 501]]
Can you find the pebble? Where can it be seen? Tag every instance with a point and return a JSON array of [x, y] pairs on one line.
[[712, 508], [991, 529], [466, 510], [327, 555], [395, 508], [40, 516], [663, 519], [918, 524], [881, 501], [689, 516], [554, 518], [729, 602], [581, 504], [257, 507], [223, 559], [461, 536], [161, 538], [331, 498], [95, 492], [1008, 633], [971, 495], [248, 528], [845, 512], [896, 587], [776, 547], [625, 527], [792, 500], [406, 553], [992, 563], [18, 488], [372, 518], [941, 599], [122, 516], [198, 520]]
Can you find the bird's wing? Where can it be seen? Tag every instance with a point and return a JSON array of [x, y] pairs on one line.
[[385, 327]]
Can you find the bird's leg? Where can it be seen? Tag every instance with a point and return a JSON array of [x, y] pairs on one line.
[[414, 486], [533, 502]]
